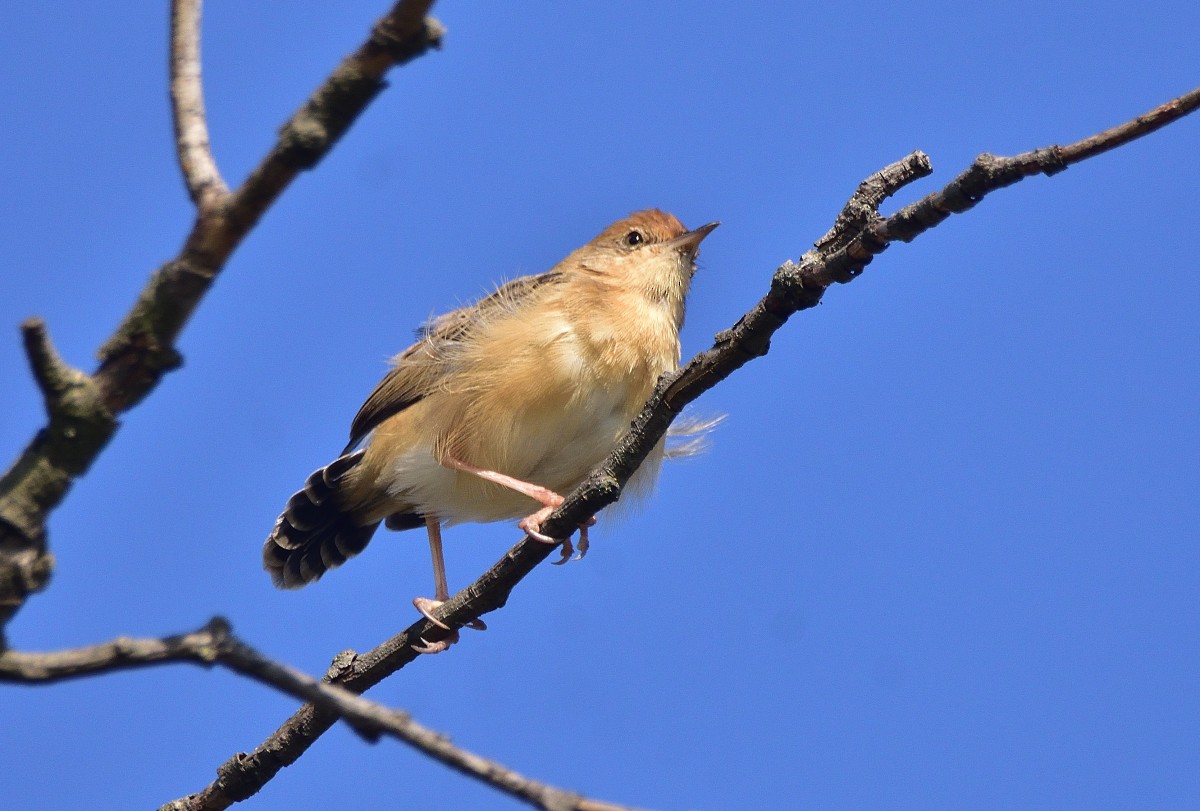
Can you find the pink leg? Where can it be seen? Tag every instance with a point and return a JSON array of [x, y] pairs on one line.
[[530, 524], [441, 593], [547, 498]]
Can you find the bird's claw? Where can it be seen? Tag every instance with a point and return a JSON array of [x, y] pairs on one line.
[[567, 550], [541, 536], [532, 526], [426, 606], [583, 539], [436, 647]]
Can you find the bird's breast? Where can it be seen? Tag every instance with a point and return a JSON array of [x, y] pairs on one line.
[[562, 409], [543, 399]]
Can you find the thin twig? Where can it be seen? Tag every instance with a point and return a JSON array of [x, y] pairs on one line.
[[122, 653], [1122, 134], [842, 255], [987, 174], [200, 173], [215, 644], [142, 349]]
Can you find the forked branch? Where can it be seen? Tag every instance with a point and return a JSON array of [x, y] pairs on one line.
[[142, 349]]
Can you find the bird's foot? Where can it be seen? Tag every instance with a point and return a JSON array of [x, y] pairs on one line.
[[427, 606], [532, 526], [436, 647]]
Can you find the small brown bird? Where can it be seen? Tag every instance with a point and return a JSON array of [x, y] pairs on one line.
[[502, 405]]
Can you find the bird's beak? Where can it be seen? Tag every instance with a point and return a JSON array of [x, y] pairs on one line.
[[690, 242]]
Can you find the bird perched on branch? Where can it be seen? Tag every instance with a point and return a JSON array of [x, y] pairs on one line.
[[502, 405]]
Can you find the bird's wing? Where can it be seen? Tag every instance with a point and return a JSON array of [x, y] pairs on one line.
[[418, 369]]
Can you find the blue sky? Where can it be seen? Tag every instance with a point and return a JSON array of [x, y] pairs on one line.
[[944, 551]]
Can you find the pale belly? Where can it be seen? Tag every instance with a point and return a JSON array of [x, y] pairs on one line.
[[555, 449], [547, 418]]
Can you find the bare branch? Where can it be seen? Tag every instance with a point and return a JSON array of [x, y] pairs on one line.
[[122, 653], [54, 376], [215, 644], [134, 358], [1122, 134], [858, 235], [399, 37], [839, 256], [863, 205], [990, 172], [142, 349], [200, 173], [78, 425], [79, 421]]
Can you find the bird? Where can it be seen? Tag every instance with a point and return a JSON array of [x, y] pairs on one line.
[[501, 406]]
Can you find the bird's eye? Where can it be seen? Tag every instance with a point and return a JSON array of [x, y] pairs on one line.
[[634, 238]]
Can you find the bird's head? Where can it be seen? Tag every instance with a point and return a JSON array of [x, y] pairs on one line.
[[650, 250]]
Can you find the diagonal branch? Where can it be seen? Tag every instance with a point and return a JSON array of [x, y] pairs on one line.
[[858, 235], [215, 644], [200, 173], [142, 349]]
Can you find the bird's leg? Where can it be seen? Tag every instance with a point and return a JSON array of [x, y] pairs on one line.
[[441, 592], [547, 498], [530, 524]]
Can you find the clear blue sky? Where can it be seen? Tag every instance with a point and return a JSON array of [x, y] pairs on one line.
[[944, 552]]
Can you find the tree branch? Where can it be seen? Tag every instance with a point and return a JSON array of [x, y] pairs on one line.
[[53, 375], [858, 235], [200, 173], [215, 644], [78, 426], [142, 349]]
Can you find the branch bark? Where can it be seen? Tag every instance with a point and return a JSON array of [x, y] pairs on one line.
[[858, 235], [215, 644], [142, 349], [200, 173]]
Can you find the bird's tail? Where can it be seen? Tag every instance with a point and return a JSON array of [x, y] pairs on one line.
[[315, 533]]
